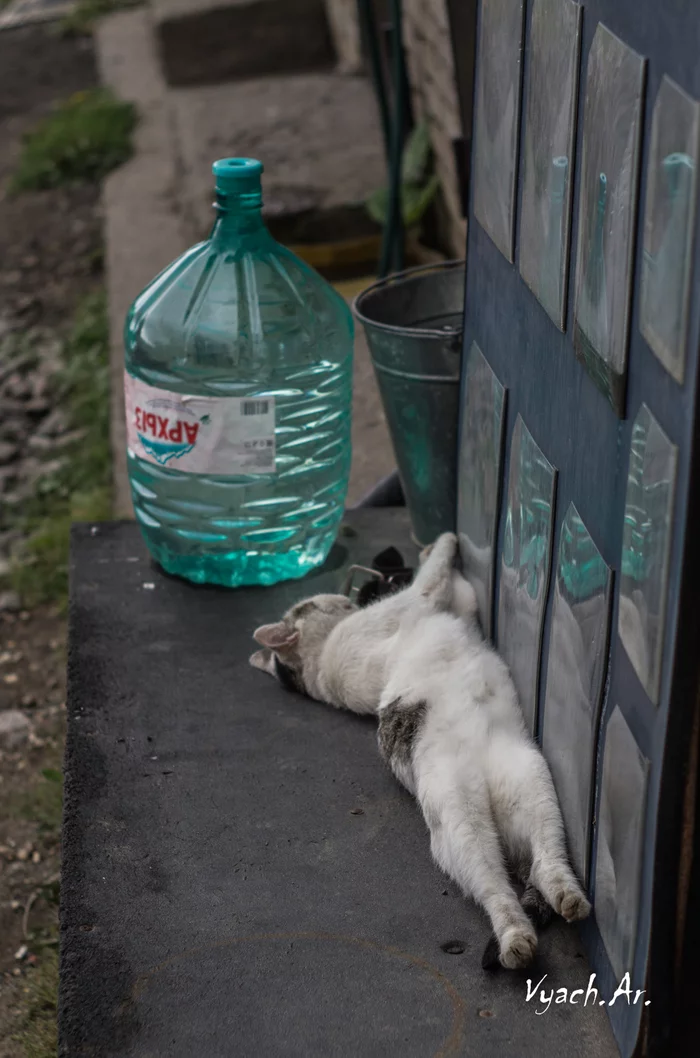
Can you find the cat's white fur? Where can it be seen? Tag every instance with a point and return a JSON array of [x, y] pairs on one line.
[[484, 788]]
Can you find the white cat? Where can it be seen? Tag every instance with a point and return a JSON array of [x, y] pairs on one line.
[[451, 729]]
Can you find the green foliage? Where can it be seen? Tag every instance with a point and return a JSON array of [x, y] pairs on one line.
[[416, 154], [80, 142], [414, 202], [80, 489], [418, 189]]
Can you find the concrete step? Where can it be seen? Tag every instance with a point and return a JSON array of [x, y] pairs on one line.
[[208, 41], [321, 156], [144, 230], [317, 135]]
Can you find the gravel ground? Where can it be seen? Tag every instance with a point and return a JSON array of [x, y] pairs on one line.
[[50, 259]]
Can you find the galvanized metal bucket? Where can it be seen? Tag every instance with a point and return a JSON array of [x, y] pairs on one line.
[[413, 324]]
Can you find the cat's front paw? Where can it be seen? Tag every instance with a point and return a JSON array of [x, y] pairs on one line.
[[572, 905], [446, 544], [446, 547], [425, 554], [518, 947]]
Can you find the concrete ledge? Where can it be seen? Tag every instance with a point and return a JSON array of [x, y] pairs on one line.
[[241, 873], [208, 41]]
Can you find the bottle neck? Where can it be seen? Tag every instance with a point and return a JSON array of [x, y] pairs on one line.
[[237, 214]]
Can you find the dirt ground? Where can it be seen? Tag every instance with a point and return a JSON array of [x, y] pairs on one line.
[[50, 241], [32, 649], [50, 258]]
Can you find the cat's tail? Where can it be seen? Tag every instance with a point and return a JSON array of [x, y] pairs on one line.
[[537, 910]]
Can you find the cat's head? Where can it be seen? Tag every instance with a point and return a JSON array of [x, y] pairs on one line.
[[291, 647]]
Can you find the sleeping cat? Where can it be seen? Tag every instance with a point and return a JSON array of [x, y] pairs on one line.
[[451, 730]]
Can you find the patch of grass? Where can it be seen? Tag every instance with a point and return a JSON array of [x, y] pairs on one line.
[[80, 488], [80, 142], [43, 803], [34, 1020], [38, 1034], [81, 20]]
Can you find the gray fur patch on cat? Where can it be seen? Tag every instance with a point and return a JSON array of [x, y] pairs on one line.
[[399, 725], [290, 676]]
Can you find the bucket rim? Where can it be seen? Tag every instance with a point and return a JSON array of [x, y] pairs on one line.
[[391, 280]]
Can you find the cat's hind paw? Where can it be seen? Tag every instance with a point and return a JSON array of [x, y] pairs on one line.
[[572, 905], [518, 947]]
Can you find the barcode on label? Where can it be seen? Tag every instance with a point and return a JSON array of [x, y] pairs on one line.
[[255, 407]]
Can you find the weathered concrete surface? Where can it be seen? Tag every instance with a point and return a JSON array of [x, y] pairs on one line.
[[317, 135], [241, 873], [209, 41], [345, 31], [143, 224]]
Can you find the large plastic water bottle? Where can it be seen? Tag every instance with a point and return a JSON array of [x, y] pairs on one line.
[[238, 388]]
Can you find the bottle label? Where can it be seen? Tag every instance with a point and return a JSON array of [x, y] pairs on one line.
[[200, 435]]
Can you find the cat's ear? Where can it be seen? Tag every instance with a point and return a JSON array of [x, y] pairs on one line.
[[263, 659], [278, 636]]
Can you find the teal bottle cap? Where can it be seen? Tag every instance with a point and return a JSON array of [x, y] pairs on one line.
[[237, 176]]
